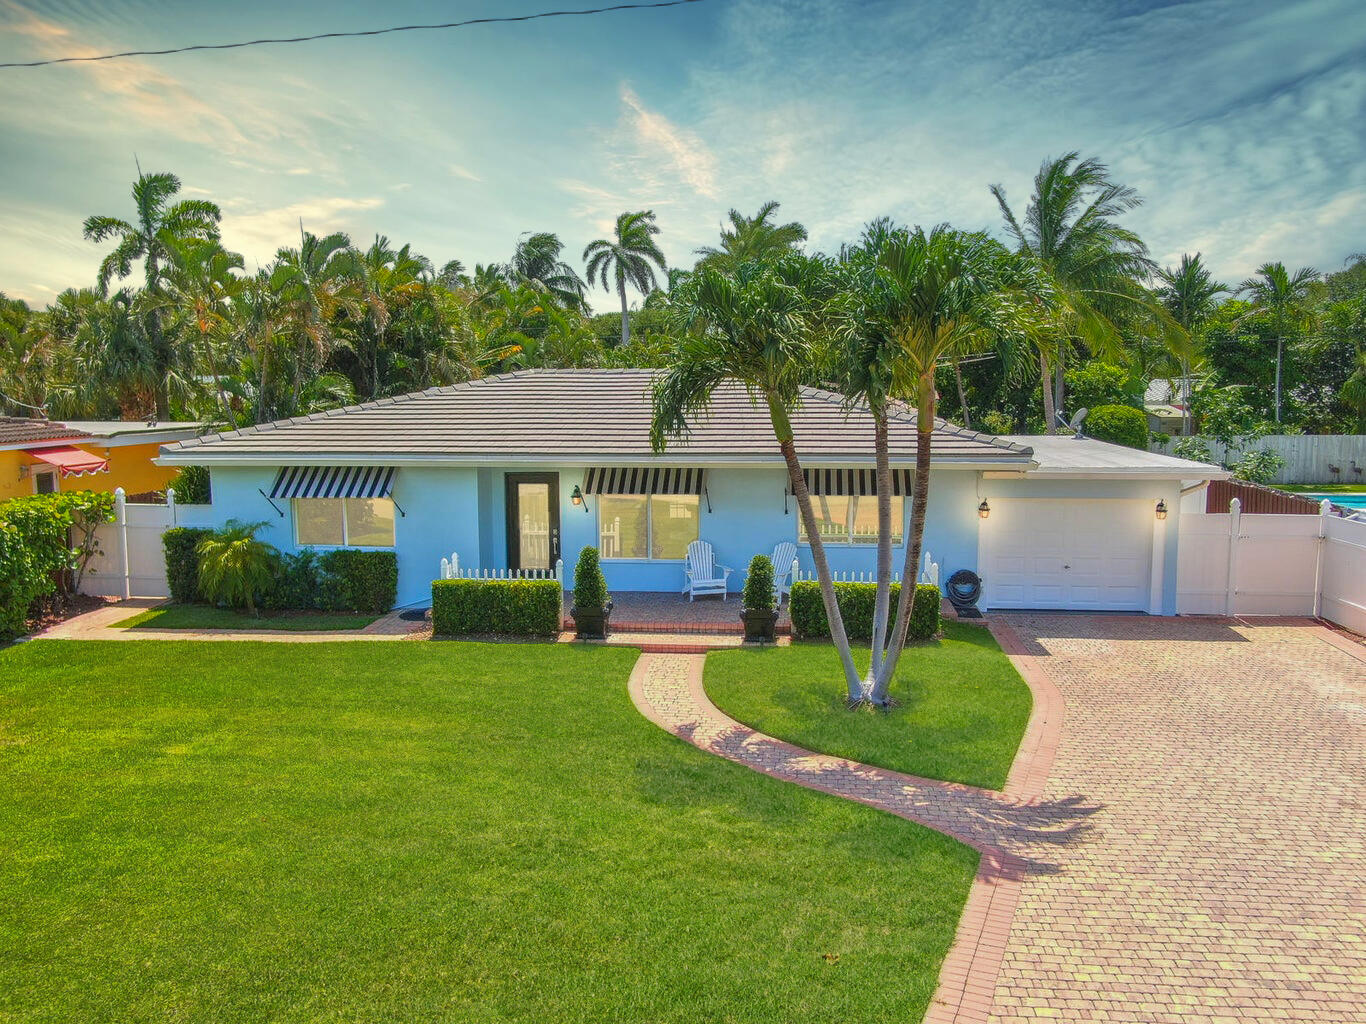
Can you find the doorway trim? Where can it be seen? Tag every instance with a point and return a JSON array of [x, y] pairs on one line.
[[513, 514]]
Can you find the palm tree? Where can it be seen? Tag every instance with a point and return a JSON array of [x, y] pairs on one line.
[[1070, 229], [1276, 291], [537, 263], [386, 280], [628, 258], [314, 283], [928, 295], [201, 286], [752, 326], [159, 226], [234, 565], [1188, 291], [753, 238]]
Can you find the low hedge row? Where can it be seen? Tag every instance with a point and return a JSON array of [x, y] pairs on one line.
[[360, 581], [856, 607], [508, 607]]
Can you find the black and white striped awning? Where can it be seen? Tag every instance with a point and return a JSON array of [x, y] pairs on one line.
[[639, 480], [333, 482], [855, 481]]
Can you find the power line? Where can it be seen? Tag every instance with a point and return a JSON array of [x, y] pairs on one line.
[[350, 35]]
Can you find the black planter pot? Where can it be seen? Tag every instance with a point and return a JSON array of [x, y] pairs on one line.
[[591, 624], [760, 624]]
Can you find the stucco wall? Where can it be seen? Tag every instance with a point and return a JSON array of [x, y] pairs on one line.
[[130, 467]]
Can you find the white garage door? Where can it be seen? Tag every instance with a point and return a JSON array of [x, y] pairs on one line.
[[1069, 554]]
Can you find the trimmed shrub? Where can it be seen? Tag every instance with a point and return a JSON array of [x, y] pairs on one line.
[[856, 607], [298, 583], [358, 581], [45, 542], [181, 544], [507, 607], [758, 592], [590, 585], [1118, 424]]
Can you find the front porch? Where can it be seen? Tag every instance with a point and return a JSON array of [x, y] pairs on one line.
[[644, 611]]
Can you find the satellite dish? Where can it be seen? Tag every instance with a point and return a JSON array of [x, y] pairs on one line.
[[1075, 422]]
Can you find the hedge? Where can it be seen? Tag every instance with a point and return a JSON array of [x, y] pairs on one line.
[[37, 554], [758, 592], [182, 561], [856, 607], [358, 581], [1118, 424], [590, 585], [508, 607]]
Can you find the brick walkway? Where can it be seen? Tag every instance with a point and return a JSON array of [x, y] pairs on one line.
[[100, 625], [1186, 847]]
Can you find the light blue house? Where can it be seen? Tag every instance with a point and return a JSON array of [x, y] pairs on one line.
[[524, 469]]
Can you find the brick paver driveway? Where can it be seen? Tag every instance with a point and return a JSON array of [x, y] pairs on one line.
[[1223, 877]]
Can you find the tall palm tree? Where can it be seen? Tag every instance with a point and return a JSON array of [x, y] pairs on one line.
[[1188, 291], [1277, 292], [159, 224], [314, 283], [386, 280], [752, 326], [929, 294], [627, 257], [1071, 230], [537, 263], [201, 287], [753, 238]]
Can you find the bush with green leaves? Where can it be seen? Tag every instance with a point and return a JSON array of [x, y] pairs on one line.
[[191, 486], [1118, 424], [46, 540], [1096, 384], [995, 423], [856, 607], [181, 546], [758, 593], [1259, 466], [503, 607], [590, 585], [297, 585], [358, 581], [234, 566], [1194, 448]]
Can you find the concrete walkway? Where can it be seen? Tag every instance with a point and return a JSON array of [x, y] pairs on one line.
[[1186, 847]]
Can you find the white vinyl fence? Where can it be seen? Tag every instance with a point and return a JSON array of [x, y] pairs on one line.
[[451, 569], [1309, 458], [1235, 564], [929, 573], [129, 560]]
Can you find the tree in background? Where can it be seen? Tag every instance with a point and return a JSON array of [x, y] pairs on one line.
[[1189, 292], [159, 226], [1280, 296], [627, 257], [752, 238], [537, 263]]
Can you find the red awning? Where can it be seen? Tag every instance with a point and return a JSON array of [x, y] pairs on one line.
[[72, 461]]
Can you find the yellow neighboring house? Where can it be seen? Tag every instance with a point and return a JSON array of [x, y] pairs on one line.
[[42, 456]]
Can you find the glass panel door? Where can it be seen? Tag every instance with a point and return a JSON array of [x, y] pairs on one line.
[[533, 519]]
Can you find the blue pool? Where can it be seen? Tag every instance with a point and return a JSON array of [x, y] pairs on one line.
[[1357, 500]]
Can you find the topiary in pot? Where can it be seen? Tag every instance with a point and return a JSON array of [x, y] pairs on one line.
[[760, 614], [592, 604]]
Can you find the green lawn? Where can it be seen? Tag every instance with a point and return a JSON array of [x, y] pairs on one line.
[[963, 705], [1322, 488], [428, 832], [203, 616]]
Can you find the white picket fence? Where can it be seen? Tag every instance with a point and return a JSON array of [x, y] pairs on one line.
[[929, 573], [451, 569], [1309, 458], [1235, 564], [129, 560]]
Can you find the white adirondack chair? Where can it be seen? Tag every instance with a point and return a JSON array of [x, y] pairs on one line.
[[704, 576], [783, 557]]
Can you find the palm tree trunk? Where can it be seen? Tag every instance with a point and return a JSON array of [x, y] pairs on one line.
[[1059, 389], [625, 314], [924, 435], [962, 395], [883, 595], [1050, 411], [1279, 345], [783, 429]]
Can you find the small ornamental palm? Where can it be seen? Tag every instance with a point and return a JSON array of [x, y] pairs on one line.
[[234, 565]]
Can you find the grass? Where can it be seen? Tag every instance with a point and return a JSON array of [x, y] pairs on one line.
[[963, 705], [203, 616], [1322, 488], [207, 832]]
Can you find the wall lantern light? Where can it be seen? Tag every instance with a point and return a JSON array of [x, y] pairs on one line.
[[984, 509], [576, 496], [1162, 508]]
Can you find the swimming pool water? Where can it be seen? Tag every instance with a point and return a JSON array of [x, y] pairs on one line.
[[1356, 500]]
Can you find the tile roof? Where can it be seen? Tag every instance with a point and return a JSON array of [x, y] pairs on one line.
[[573, 414], [18, 430]]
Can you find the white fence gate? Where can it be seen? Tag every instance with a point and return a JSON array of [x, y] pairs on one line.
[[1235, 564], [130, 561]]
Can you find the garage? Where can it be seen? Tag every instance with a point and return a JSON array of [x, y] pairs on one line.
[[1075, 554]]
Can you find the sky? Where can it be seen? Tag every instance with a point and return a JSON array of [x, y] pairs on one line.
[[1239, 121]]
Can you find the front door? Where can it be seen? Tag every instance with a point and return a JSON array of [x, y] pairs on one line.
[[533, 509]]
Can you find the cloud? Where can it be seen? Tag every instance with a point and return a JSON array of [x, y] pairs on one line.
[[464, 172], [691, 160], [299, 170], [258, 234]]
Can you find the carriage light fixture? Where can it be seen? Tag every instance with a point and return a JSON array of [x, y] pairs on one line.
[[984, 509], [1161, 508], [576, 496]]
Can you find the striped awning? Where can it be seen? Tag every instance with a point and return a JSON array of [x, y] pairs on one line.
[[855, 481], [639, 480], [333, 482]]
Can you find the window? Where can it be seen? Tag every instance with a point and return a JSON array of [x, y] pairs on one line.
[[647, 526], [850, 520], [45, 481], [345, 522]]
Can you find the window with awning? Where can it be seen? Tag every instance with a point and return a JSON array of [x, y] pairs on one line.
[[845, 504], [71, 461], [339, 506], [646, 513], [333, 482], [643, 480], [856, 482]]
